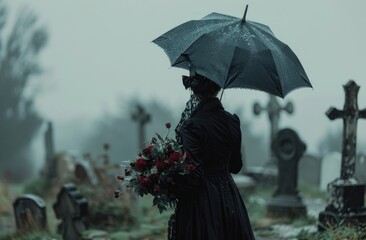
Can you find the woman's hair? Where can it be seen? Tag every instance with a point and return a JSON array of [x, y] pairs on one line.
[[201, 85]]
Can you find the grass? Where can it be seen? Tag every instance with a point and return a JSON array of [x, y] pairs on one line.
[[340, 233], [150, 224]]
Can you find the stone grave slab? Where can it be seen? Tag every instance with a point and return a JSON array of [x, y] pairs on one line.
[[30, 213]]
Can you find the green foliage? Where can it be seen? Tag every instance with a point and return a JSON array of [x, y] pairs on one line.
[[106, 212], [340, 233], [19, 121], [32, 236], [255, 204], [144, 232], [303, 221], [310, 191], [38, 186]]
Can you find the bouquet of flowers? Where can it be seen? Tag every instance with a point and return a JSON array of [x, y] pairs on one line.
[[153, 169]]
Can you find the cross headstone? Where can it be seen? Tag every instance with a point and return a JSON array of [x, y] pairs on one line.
[[142, 118], [346, 195], [70, 207], [50, 170], [30, 213], [273, 109], [286, 201]]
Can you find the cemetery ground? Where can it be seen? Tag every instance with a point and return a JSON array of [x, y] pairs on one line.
[[112, 217]]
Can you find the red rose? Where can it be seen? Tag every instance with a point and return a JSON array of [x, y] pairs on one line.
[[160, 165], [140, 164], [174, 157], [169, 162], [144, 181], [154, 177], [147, 151], [187, 156], [120, 177], [189, 167], [168, 125]]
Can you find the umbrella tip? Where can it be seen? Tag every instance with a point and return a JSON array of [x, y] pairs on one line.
[[245, 14]]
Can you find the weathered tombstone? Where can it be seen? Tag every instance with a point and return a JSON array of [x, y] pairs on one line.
[[330, 169], [142, 118], [50, 171], [309, 170], [273, 109], [346, 195], [286, 201], [70, 207], [360, 173], [30, 213], [85, 172]]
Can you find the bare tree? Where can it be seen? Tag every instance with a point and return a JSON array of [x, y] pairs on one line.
[[19, 121]]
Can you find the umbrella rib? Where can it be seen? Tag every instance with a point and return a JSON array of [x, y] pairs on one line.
[[272, 47]]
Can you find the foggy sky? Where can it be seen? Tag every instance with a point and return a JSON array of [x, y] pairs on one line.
[[100, 52]]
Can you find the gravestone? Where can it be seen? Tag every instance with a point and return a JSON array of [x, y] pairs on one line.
[[309, 170], [50, 170], [70, 207], [30, 213], [330, 169], [286, 201], [346, 195], [360, 173], [85, 172]]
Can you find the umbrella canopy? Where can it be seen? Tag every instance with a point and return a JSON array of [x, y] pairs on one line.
[[235, 53]]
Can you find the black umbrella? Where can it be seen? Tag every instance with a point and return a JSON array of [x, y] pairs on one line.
[[235, 53]]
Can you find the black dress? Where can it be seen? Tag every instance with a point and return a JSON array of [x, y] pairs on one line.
[[210, 206]]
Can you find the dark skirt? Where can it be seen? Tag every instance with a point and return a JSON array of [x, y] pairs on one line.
[[213, 211]]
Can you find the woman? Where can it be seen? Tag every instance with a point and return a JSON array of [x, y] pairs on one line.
[[209, 204]]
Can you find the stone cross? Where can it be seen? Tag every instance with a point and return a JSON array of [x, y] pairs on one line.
[[30, 213], [142, 118], [346, 196], [273, 109], [50, 169], [70, 207], [350, 115]]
